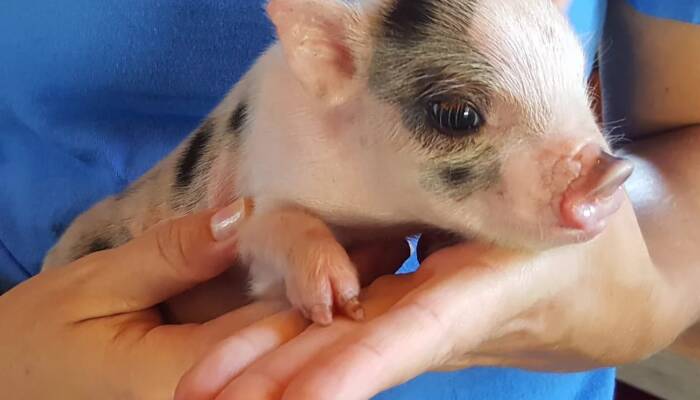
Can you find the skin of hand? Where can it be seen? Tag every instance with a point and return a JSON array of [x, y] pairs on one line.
[[650, 76], [467, 305], [93, 329]]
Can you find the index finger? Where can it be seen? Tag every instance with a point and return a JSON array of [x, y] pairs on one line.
[[389, 350], [267, 377], [374, 358]]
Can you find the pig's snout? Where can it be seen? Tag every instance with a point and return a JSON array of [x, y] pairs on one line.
[[597, 192]]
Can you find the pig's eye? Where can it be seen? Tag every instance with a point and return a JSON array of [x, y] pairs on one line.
[[454, 119]]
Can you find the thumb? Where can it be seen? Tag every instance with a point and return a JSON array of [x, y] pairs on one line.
[[167, 260]]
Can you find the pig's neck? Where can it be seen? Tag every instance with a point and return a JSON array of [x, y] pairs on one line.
[[293, 153]]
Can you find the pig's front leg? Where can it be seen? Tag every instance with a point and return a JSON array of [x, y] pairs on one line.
[[289, 250]]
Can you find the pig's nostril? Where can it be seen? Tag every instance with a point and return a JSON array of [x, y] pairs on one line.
[[595, 194], [608, 175]]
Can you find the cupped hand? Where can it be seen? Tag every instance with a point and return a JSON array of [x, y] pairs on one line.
[[92, 329], [569, 309]]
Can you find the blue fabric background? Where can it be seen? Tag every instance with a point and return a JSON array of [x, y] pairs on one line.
[[587, 18], [679, 10], [92, 94]]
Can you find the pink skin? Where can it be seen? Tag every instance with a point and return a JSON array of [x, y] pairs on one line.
[[557, 191], [597, 193]]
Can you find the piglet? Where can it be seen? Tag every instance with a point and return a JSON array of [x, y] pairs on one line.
[[379, 118]]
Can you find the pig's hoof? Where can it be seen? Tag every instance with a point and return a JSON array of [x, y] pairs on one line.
[[322, 280], [352, 309], [320, 314]]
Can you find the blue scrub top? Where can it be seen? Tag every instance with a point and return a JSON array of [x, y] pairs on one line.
[[93, 94]]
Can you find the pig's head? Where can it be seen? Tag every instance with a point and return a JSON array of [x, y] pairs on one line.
[[477, 111]]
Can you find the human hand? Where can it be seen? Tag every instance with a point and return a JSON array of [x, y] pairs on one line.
[[92, 329], [569, 309]]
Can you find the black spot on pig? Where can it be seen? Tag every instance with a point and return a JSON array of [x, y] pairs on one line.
[[456, 176], [460, 177], [192, 156], [423, 53], [112, 237], [406, 18], [239, 118], [99, 244]]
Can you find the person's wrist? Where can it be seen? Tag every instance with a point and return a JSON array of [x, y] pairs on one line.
[[637, 308]]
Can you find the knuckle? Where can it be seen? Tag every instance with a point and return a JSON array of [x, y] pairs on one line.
[[370, 350], [243, 346], [427, 316], [170, 245]]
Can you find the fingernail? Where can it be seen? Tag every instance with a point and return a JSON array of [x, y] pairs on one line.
[[225, 222]]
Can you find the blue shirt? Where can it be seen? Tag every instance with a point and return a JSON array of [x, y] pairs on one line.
[[93, 94]]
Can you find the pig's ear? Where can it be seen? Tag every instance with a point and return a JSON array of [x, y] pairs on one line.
[[316, 38]]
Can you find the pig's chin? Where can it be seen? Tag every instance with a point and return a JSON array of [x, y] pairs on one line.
[[538, 235], [544, 238], [578, 223]]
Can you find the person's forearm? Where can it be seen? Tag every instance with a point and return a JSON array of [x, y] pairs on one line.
[[665, 192]]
